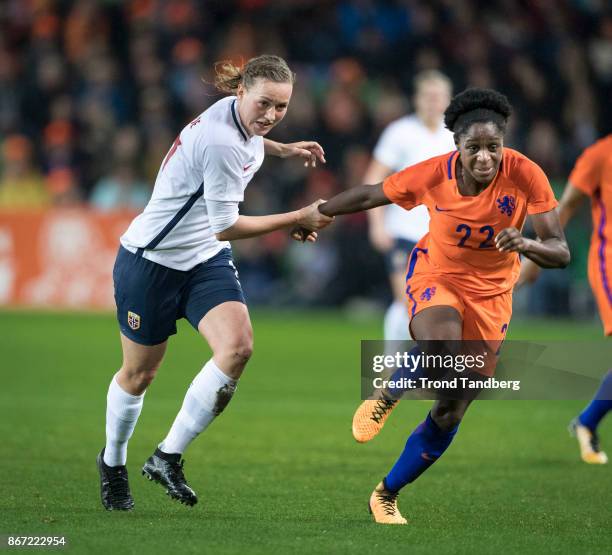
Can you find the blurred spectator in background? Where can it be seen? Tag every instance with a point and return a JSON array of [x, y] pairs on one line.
[[21, 184], [120, 190]]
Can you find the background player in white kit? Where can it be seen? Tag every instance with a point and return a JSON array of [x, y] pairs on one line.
[[394, 231], [175, 261]]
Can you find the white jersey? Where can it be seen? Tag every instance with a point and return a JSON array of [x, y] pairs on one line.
[[212, 159], [406, 142]]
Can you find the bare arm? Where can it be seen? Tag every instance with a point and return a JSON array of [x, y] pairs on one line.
[[356, 199], [550, 251], [570, 202], [308, 217], [310, 151]]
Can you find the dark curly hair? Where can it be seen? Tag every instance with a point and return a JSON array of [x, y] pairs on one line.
[[477, 106]]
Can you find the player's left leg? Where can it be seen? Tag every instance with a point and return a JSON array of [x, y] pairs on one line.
[[585, 425], [432, 437], [214, 303], [227, 329]]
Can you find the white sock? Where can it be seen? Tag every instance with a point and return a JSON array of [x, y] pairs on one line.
[[122, 412], [396, 321], [209, 393]]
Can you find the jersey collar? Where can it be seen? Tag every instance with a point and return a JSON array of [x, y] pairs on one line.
[[450, 166], [237, 122]]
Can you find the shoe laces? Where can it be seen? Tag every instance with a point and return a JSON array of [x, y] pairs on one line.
[[119, 485], [595, 442], [382, 407], [388, 500], [177, 469]]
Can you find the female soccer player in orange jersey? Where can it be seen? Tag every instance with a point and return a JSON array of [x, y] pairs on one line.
[[592, 177], [460, 275]]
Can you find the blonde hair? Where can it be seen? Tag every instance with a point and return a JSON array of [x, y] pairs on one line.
[[269, 67], [429, 75]]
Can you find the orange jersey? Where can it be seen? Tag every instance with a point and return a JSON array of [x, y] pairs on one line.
[[461, 241], [592, 175]]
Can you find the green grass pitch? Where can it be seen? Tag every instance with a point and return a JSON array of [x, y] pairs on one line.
[[279, 472]]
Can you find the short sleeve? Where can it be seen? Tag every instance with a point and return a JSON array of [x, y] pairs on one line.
[[541, 196], [388, 150], [586, 175], [221, 214], [407, 187], [222, 170]]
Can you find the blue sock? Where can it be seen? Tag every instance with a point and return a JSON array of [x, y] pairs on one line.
[[424, 447], [403, 372], [601, 404]]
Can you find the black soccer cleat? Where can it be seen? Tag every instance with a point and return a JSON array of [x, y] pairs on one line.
[[114, 486], [167, 469]]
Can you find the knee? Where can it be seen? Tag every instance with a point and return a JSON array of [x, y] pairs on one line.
[[242, 350], [237, 351], [136, 378], [446, 419]]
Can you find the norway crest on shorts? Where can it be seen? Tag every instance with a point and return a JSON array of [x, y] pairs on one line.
[[133, 320]]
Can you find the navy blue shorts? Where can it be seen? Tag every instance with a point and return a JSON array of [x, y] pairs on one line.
[[397, 257], [150, 297]]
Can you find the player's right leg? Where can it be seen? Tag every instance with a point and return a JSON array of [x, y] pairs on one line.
[[145, 293], [422, 294], [123, 406], [371, 415]]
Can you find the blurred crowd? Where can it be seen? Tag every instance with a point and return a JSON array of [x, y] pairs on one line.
[[93, 92]]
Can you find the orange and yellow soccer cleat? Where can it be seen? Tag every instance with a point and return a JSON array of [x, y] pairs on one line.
[[369, 418], [383, 506], [588, 442]]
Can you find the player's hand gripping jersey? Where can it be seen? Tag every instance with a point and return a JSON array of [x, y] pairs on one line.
[[592, 175], [457, 263]]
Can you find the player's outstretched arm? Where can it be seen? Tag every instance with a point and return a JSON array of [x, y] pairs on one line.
[[550, 251], [308, 218], [309, 151], [355, 199]]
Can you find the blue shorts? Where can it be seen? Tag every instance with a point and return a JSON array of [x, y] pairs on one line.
[[397, 257], [150, 297]]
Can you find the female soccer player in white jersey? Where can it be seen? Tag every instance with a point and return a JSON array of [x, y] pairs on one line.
[[394, 231], [175, 261], [409, 140]]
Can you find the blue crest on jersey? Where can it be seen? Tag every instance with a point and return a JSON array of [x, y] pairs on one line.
[[506, 204], [428, 294]]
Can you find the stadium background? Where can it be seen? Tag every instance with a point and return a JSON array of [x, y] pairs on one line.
[[92, 94]]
